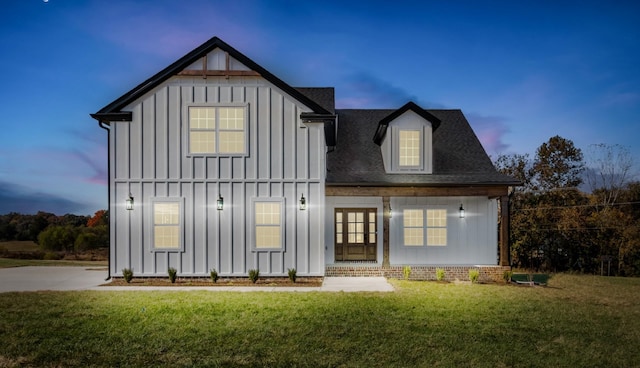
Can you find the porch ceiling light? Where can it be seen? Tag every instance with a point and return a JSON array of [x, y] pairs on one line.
[[303, 203], [128, 203], [220, 203], [461, 211]]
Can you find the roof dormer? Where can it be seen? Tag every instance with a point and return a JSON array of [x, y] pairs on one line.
[[405, 138]]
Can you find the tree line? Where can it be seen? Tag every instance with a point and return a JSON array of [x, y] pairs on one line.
[[575, 211], [68, 233]]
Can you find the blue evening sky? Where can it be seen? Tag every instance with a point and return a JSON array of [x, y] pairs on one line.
[[521, 71]]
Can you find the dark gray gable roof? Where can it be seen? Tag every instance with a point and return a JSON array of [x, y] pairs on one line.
[[324, 96], [458, 156], [113, 111], [381, 131]]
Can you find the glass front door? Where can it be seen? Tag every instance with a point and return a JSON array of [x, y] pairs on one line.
[[355, 234]]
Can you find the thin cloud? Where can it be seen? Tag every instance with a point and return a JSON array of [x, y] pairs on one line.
[[490, 131], [16, 198], [160, 30], [363, 90]]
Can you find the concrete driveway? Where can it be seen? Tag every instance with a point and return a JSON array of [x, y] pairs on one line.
[[50, 278], [83, 278]]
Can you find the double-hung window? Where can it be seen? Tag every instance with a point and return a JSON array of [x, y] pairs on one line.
[[268, 224], [424, 226], [167, 222], [217, 130]]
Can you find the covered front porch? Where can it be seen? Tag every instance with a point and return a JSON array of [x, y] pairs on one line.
[[365, 232]]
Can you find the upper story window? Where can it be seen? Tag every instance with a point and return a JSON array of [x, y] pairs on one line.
[[409, 148], [217, 130], [406, 144]]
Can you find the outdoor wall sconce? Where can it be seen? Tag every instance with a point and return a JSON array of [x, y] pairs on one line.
[[128, 203], [303, 203], [461, 211], [220, 203]]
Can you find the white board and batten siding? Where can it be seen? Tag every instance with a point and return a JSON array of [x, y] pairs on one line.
[[284, 160], [472, 240]]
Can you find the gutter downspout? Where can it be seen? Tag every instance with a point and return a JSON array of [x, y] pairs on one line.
[[106, 127]]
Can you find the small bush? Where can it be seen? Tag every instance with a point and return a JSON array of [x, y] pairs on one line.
[[253, 275], [292, 274], [4, 251], [172, 274], [506, 276], [439, 274], [214, 275], [474, 275], [52, 256], [127, 273], [406, 271]]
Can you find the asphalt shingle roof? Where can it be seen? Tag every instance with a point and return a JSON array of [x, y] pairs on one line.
[[458, 156]]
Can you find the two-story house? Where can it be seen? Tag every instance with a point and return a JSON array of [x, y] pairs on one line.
[[215, 163]]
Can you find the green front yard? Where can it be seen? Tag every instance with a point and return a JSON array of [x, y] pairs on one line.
[[578, 321]]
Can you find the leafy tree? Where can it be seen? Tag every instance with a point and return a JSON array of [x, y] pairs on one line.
[[58, 238], [7, 228], [38, 223], [517, 166], [92, 238], [101, 217], [558, 164]]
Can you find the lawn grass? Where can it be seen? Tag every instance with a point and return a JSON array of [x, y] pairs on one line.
[[578, 321]]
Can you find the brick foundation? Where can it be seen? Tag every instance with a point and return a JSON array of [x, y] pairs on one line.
[[451, 273]]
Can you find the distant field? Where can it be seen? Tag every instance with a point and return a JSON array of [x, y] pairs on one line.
[[10, 262], [90, 258], [20, 246]]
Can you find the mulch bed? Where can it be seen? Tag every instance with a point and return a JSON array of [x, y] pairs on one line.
[[222, 282]]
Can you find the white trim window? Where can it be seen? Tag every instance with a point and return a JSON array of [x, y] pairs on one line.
[[424, 226], [217, 130], [268, 223], [437, 227], [167, 221], [409, 149], [413, 227]]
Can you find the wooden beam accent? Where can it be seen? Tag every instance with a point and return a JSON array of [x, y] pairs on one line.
[[481, 191], [386, 214], [504, 231], [226, 61], [219, 73], [204, 67]]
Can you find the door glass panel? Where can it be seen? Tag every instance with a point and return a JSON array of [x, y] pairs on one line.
[[339, 227], [355, 227], [372, 227]]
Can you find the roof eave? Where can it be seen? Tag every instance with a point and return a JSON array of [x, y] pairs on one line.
[[387, 184], [108, 117]]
